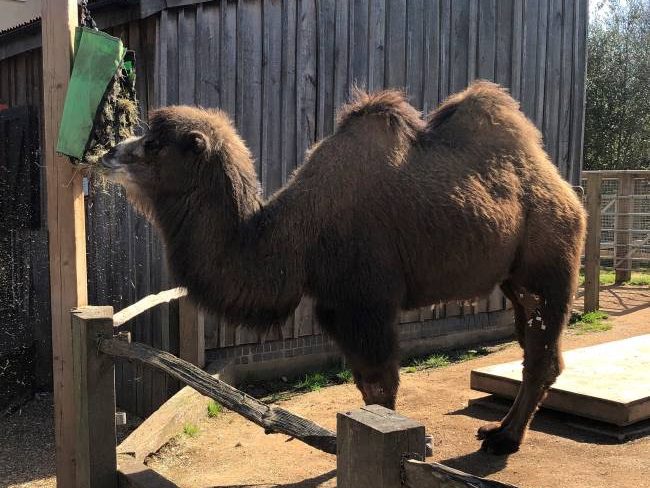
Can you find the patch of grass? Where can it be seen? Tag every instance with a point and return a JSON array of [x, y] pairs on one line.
[[589, 322], [608, 277], [441, 360], [190, 430], [313, 382], [435, 361], [345, 376], [214, 409]]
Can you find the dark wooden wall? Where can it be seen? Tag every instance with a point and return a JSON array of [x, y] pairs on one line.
[[281, 68]]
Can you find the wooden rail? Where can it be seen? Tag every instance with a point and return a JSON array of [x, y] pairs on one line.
[[375, 448], [274, 419]]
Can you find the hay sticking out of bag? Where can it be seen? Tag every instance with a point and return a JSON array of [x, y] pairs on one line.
[[117, 118]]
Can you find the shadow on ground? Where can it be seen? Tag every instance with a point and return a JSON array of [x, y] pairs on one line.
[[314, 482]]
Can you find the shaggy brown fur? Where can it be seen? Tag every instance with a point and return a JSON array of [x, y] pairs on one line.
[[390, 212]]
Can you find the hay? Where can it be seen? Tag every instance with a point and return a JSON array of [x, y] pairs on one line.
[[117, 117]]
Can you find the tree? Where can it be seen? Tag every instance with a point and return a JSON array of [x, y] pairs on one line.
[[617, 119]]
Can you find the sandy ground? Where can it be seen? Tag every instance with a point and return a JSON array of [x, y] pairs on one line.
[[230, 452]]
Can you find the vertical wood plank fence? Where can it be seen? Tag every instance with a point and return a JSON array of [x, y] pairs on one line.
[[280, 69]]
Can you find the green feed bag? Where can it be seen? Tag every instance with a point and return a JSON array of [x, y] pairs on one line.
[[101, 86]]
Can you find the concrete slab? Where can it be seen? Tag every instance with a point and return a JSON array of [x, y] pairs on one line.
[[609, 382]]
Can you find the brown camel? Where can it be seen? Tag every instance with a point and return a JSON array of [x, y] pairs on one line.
[[390, 212]]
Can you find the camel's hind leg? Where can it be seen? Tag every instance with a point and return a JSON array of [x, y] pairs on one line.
[[540, 318]]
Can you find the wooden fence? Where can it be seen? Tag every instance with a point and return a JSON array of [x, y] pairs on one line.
[[375, 447], [281, 68], [618, 233]]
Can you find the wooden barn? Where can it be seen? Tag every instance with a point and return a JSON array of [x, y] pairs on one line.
[[280, 68]]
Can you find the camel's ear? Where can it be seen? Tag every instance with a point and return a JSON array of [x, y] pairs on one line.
[[198, 142]]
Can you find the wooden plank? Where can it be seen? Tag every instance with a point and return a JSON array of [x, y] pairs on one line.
[[445, 49], [371, 442], [623, 236], [592, 244], [208, 20], [459, 47], [578, 87], [306, 76], [66, 226], [417, 474], [376, 44], [325, 95], [274, 419], [414, 51], [503, 66], [472, 47], [341, 54], [395, 74], [271, 159], [191, 332], [495, 300], [528, 85], [540, 71], [487, 39], [553, 77], [304, 318], [94, 394], [249, 77], [228, 61], [359, 47], [146, 303], [431, 55], [517, 44], [187, 62], [614, 391], [566, 81], [289, 158], [170, 32]]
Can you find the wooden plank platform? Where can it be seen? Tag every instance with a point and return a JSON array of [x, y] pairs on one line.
[[607, 382]]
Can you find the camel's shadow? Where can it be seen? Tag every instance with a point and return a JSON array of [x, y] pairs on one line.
[[573, 427]]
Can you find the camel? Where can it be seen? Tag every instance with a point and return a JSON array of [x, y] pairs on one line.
[[392, 211]]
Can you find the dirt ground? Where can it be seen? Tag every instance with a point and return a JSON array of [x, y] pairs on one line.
[[229, 452]]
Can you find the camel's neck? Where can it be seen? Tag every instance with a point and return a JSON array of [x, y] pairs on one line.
[[231, 251]]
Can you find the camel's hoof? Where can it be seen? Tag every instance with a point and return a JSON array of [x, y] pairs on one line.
[[496, 441]]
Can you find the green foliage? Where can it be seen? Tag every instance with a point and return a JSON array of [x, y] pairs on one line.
[[435, 361], [190, 430], [214, 409], [589, 322], [313, 382], [345, 376], [617, 119], [410, 369]]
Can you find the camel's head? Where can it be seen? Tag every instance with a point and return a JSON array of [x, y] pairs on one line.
[[182, 149]]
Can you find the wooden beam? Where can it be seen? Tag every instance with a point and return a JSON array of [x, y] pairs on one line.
[[66, 226], [623, 236], [371, 442], [191, 333], [433, 475], [592, 245], [273, 418], [146, 303], [94, 394]]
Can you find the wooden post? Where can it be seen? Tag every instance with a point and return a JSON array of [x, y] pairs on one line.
[[66, 226], [94, 395], [191, 332], [370, 444], [592, 246], [623, 226]]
